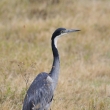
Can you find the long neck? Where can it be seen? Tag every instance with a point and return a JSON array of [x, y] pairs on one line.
[[54, 73]]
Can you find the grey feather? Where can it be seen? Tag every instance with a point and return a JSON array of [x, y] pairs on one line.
[[40, 93]]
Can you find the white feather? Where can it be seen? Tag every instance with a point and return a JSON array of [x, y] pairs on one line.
[[56, 39]]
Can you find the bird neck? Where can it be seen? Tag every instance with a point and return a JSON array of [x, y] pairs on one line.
[[56, 64]]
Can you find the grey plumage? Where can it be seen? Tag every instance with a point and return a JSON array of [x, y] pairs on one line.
[[37, 99]]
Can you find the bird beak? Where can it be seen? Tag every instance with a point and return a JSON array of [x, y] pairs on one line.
[[71, 30]]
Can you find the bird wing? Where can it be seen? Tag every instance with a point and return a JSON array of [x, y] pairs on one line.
[[40, 93]]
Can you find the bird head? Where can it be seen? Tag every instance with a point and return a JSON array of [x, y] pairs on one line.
[[60, 32]]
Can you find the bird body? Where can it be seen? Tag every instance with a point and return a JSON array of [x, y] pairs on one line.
[[40, 93]]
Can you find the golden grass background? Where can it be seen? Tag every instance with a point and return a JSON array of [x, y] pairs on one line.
[[26, 27]]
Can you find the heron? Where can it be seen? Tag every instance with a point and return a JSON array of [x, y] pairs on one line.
[[40, 93]]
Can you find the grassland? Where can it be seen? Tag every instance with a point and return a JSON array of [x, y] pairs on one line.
[[25, 31]]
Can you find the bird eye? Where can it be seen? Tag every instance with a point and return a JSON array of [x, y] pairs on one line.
[[62, 31]]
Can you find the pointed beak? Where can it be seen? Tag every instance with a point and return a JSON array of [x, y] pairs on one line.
[[71, 30]]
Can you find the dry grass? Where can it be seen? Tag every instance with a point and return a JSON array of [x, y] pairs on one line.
[[25, 31]]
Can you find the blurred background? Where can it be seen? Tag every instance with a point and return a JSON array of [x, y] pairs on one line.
[[26, 27]]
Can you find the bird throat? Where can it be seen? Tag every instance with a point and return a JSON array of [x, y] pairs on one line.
[[55, 41]]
